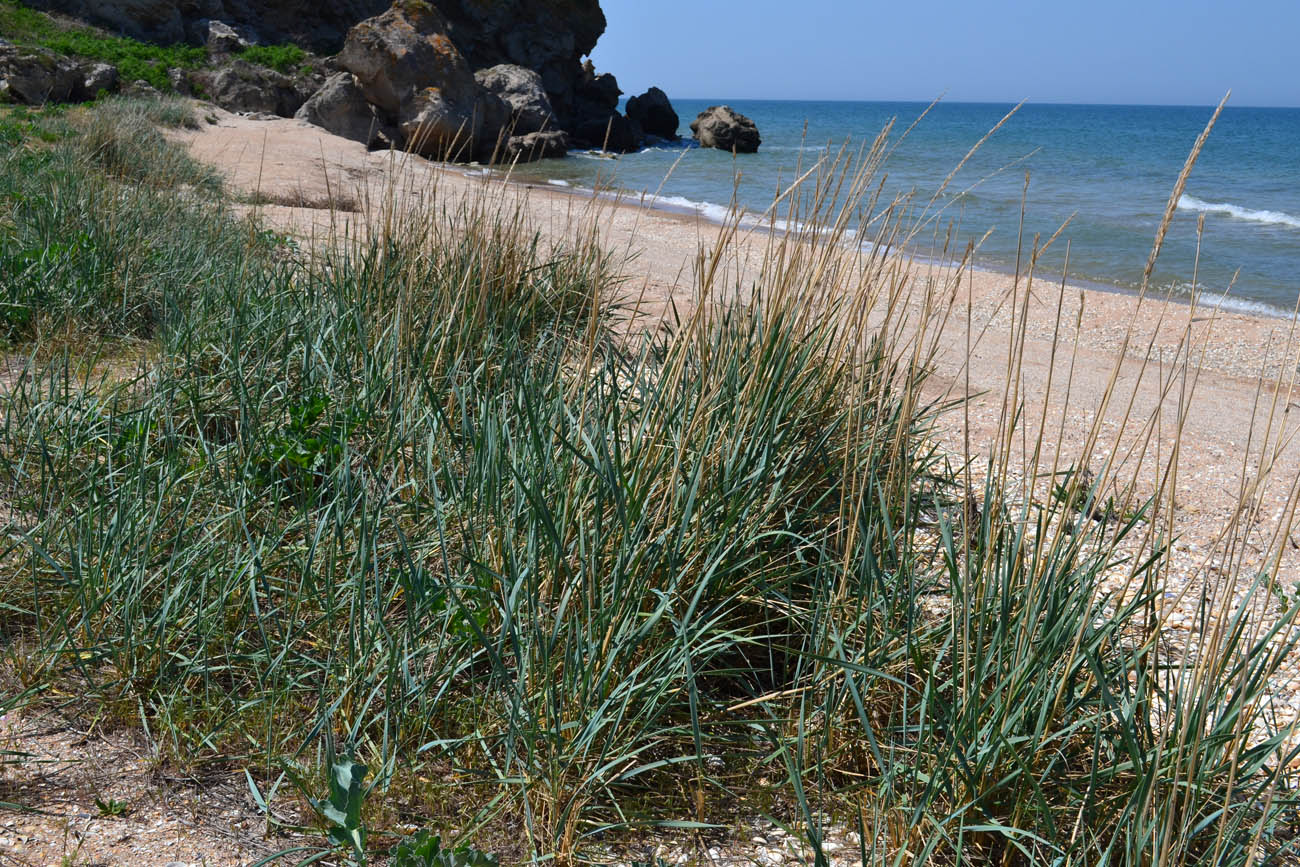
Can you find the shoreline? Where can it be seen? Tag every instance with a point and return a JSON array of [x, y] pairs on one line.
[[717, 214]]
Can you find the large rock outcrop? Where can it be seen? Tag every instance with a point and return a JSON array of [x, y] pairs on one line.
[[594, 120], [722, 127], [548, 36], [654, 113], [409, 69], [522, 90], [244, 87], [341, 108], [37, 76]]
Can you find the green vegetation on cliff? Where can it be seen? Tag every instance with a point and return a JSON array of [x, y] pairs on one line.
[[135, 60]]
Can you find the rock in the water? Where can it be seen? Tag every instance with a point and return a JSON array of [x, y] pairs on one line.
[[37, 76], [719, 126], [535, 146], [408, 68], [522, 91], [654, 113], [243, 87], [595, 121], [341, 108], [221, 38]]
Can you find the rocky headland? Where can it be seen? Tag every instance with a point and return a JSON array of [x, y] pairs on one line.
[[450, 79]]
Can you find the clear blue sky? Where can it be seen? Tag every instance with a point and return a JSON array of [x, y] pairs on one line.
[[1121, 51]]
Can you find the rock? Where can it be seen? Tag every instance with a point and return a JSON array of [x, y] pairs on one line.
[[535, 146], [654, 113], [411, 71], [243, 87], [548, 36], [37, 76], [341, 108], [595, 121], [180, 81], [140, 87], [522, 91], [221, 38], [721, 127], [96, 78]]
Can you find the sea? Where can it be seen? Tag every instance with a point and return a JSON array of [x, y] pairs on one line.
[[1108, 170]]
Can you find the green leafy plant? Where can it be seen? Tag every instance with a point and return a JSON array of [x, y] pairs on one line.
[[342, 809], [281, 58], [111, 809], [426, 850]]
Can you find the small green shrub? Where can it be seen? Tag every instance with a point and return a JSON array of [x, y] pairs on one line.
[[281, 58], [426, 850]]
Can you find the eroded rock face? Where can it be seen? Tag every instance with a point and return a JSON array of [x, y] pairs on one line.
[[595, 122], [341, 108], [522, 91], [720, 126], [548, 36], [221, 38], [243, 87], [37, 76], [409, 69], [535, 146], [654, 113]]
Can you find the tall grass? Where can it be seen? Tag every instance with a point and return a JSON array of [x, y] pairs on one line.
[[413, 497]]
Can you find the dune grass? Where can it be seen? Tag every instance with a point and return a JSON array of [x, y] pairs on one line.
[[411, 500]]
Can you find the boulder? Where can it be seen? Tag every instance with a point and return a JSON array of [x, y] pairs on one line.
[[243, 87], [411, 71], [341, 108], [521, 89], [221, 38], [180, 81], [37, 76], [719, 126], [535, 146], [654, 113], [96, 78]]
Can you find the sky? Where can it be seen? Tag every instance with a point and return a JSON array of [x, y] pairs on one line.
[[1100, 51]]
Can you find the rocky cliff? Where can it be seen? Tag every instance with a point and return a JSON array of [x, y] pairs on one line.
[[476, 72]]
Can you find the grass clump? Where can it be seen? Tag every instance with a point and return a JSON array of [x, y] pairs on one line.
[[83, 248], [413, 497]]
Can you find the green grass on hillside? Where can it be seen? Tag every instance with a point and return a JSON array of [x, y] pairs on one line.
[[409, 501], [135, 60]]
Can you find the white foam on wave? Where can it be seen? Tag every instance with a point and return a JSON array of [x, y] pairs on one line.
[[556, 182], [1272, 218], [1209, 300]]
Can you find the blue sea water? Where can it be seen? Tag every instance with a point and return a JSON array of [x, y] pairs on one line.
[[1109, 169]]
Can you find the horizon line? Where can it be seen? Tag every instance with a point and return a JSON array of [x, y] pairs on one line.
[[1027, 102]]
